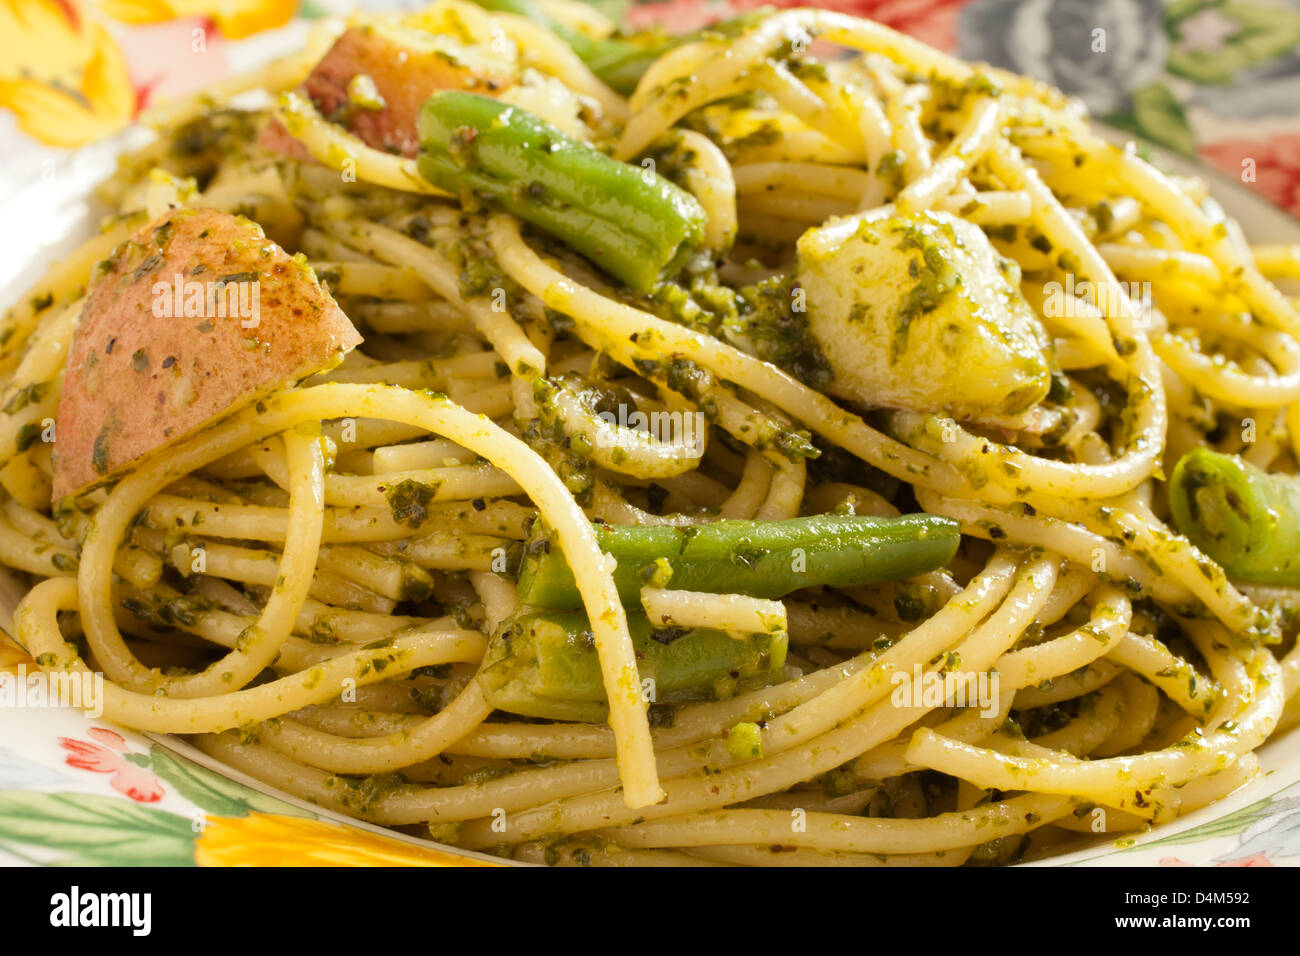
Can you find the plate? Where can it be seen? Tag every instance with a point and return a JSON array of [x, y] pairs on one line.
[[75, 789]]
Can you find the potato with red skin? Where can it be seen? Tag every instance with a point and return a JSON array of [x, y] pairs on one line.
[[405, 66], [170, 340]]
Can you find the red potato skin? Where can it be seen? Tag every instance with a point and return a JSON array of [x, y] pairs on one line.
[[276, 139], [142, 375], [404, 75]]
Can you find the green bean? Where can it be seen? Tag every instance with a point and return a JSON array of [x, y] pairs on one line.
[[1241, 516], [545, 665], [627, 220], [766, 559], [619, 62]]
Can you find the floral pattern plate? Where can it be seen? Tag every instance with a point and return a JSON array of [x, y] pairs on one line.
[[1219, 80]]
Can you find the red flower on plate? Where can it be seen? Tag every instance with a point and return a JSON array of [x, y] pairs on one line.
[[1271, 167], [934, 21], [108, 756], [682, 16], [1257, 859], [169, 60]]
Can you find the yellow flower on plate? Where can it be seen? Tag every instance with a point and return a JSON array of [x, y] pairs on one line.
[[234, 18], [11, 657], [61, 74], [268, 839]]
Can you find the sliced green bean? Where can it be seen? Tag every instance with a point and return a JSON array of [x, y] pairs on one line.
[[620, 62], [1241, 516], [766, 559], [545, 665], [628, 220]]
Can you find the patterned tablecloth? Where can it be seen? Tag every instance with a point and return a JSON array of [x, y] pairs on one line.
[[1214, 79]]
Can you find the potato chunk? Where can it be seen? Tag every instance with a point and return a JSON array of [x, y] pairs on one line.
[[919, 312], [197, 315], [374, 79]]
